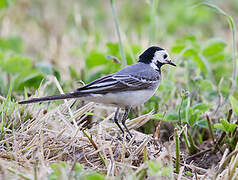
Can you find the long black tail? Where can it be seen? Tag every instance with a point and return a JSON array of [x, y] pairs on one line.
[[50, 98]]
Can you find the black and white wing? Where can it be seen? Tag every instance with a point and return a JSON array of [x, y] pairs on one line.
[[115, 83], [108, 84]]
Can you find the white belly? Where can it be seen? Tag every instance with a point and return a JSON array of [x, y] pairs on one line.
[[122, 99]]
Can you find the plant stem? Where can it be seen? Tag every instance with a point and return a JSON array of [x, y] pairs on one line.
[[234, 48], [177, 150], [226, 161], [35, 169], [210, 129], [123, 58], [18, 174], [95, 146], [193, 147]]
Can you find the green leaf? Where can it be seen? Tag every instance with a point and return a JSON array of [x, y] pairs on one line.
[[171, 116], [202, 123], [113, 49], [188, 173], [12, 43], [95, 58], [17, 64], [94, 176], [78, 167], [193, 116], [154, 166], [177, 48], [228, 126], [234, 104], [190, 52], [157, 116], [232, 127], [214, 47], [225, 124], [31, 78], [190, 38], [3, 3], [219, 57], [220, 126], [201, 63], [202, 107]]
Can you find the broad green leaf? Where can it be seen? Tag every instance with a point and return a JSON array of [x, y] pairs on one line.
[[78, 167], [93, 176], [220, 126], [214, 47], [219, 57], [171, 116], [202, 123], [202, 107], [16, 64], [177, 48], [113, 49], [225, 124], [12, 43], [232, 127], [190, 52], [31, 78], [157, 116], [186, 39], [234, 104], [3, 3], [200, 63], [189, 38], [193, 116], [95, 58]]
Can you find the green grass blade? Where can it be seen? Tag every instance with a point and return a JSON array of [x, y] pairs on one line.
[[123, 57], [234, 48]]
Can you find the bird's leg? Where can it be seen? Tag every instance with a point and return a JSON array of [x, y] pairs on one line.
[[116, 120], [125, 116]]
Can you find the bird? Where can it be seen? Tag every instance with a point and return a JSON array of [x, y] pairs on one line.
[[131, 86]]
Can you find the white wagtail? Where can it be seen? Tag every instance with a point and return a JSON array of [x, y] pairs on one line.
[[127, 88]]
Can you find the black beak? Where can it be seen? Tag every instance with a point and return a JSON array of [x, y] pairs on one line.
[[171, 63]]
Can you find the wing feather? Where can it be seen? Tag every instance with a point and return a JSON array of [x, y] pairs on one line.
[[115, 83]]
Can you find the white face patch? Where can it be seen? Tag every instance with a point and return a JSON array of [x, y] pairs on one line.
[[159, 57]]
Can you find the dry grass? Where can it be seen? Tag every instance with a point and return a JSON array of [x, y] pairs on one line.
[[55, 136], [50, 137], [59, 135]]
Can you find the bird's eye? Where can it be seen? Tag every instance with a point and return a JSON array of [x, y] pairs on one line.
[[165, 56]]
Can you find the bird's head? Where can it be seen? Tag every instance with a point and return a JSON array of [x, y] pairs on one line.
[[156, 57]]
